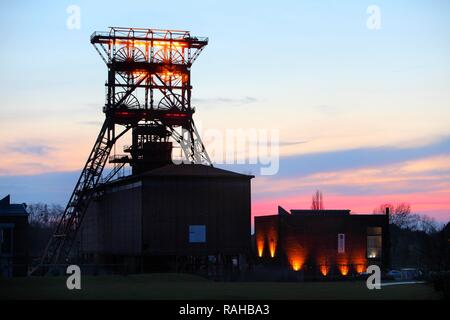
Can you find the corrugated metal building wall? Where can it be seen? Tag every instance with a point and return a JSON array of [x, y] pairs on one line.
[[113, 223], [221, 204], [176, 210]]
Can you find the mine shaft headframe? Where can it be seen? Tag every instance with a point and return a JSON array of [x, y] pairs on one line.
[[150, 45], [149, 72], [148, 68]]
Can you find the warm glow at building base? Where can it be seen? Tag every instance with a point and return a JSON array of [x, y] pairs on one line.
[[360, 268], [344, 269], [260, 246], [296, 264], [324, 270], [272, 250]]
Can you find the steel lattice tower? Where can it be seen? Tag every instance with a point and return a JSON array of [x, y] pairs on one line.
[[149, 92]]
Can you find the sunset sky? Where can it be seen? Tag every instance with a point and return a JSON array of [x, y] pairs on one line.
[[363, 115]]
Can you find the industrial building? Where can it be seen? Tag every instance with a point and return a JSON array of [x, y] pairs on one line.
[[175, 217], [323, 243], [13, 238], [169, 214]]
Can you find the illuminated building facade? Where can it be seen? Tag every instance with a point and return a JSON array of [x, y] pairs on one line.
[[323, 243]]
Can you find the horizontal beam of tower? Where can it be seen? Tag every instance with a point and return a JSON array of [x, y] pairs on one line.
[[148, 35]]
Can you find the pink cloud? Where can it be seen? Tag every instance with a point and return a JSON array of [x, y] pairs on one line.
[[435, 204], [427, 180]]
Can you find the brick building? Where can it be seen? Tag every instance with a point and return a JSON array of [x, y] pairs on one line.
[[323, 242]]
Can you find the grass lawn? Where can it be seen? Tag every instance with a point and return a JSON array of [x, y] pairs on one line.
[[183, 286]]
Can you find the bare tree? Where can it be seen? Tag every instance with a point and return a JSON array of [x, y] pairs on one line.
[[429, 224], [44, 215], [317, 201], [402, 216]]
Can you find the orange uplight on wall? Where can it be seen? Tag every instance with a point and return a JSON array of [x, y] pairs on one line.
[[260, 249], [344, 269], [272, 239], [272, 247], [360, 262], [324, 270], [296, 264], [260, 245], [360, 268], [296, 254], [266, 240]]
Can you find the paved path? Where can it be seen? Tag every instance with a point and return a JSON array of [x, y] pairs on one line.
[[402, 282]]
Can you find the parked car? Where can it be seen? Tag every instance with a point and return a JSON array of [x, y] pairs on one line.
[[408, 274], [395, 274]]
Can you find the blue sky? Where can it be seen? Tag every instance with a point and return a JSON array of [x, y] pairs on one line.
[[356, 98]]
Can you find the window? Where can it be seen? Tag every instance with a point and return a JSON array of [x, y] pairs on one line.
[[374, 242], [341, 243], [197, 233]]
